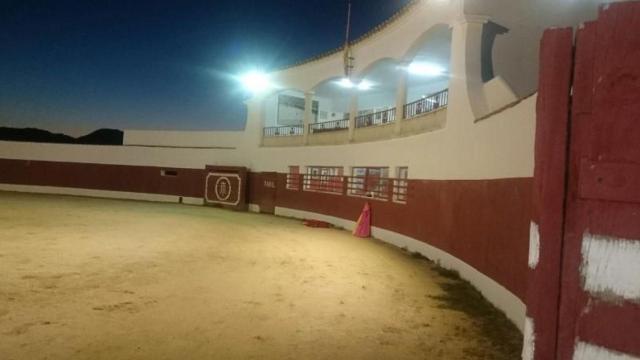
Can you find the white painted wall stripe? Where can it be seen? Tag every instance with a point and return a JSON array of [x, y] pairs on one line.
[[192, 201], [586, 351], [529, 345], [534, 245], [611, 266]]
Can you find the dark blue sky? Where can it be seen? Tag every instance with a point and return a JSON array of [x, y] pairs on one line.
[[75, 66]]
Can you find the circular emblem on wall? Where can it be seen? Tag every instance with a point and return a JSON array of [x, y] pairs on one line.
[[223, 188]]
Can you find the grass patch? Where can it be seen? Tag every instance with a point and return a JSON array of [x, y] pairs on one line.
[[460, 295], [446, 273]]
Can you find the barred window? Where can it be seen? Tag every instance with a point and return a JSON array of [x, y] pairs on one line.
[[324, 179], [370, 182], [401, 184], [293, 178]]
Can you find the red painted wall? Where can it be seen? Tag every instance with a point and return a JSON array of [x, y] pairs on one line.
[[552, 127], [603, 195], [141, 179], [482, 222]]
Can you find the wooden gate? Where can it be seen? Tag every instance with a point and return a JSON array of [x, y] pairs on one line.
[[584, 289], [268, 181]]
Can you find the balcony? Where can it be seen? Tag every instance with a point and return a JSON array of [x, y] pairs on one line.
[[424, 115], [329, 132], [283, 135], [378, 118], [329, 126], [294, 130], [427, 104]]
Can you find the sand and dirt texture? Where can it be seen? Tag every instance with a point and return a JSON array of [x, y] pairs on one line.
[[106, 279]]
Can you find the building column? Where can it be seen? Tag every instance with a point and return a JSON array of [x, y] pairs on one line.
[[255, 121], [308, 115], [353, 112], [466, 88], [401, 98]]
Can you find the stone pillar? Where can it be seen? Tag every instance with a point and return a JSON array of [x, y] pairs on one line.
[[353, 112], [401, 97], [466, 88], [308, 115], [254, 127]]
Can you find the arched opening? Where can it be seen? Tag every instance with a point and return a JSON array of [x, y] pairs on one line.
[[284, 113], [377, 89], [333, 102], [427, 66]]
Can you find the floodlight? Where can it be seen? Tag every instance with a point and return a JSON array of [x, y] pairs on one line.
[[255, 81]]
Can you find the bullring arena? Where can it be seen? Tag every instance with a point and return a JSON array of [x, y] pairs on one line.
[[503, 189], [107, 279]]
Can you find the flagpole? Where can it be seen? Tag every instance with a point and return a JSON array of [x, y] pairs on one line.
[[348, 59]]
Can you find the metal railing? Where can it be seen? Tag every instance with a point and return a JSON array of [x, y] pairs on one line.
[[377, 118], [332, 125], [293, 181], [373, 187], [292, 130], [378, 188], [427, 104], [323, 183]]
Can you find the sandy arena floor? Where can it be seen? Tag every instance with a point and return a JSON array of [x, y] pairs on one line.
[[105, 279]]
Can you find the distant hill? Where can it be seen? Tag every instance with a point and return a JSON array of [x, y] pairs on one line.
[[102, 137], [98, 137]]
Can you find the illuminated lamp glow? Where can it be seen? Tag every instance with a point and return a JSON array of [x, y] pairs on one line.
[[364, 85], [425, 68], [346, 83], [256, 82]]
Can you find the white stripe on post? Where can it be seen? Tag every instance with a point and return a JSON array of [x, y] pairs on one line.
[[586, 351], [534, 245], [611, 266], [529, 345]]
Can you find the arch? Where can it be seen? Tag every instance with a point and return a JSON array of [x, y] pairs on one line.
[[376, 64], [308, 76], [430, 52], [436, 33], [333, 100], [382, 75], [325, 82]]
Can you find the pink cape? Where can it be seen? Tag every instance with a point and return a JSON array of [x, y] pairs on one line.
[[363, 226]]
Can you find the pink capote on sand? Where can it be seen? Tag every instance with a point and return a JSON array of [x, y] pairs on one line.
[[363, 226]]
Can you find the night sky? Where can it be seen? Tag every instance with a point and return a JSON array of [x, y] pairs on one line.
[[75, 66]]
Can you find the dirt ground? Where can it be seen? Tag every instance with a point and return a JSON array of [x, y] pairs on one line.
[[106, 279]]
